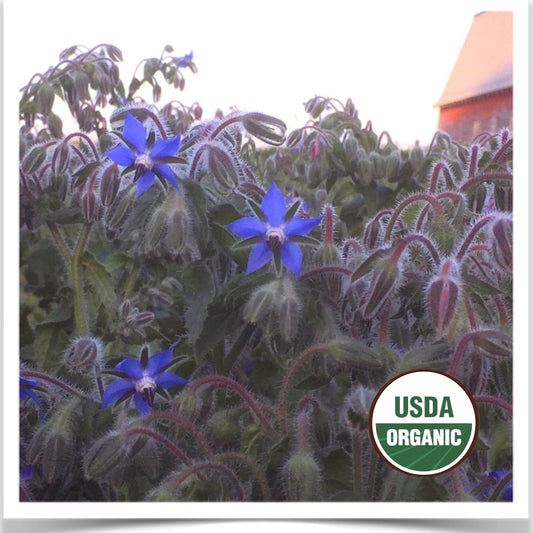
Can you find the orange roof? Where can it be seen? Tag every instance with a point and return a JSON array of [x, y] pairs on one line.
[[485, 63]]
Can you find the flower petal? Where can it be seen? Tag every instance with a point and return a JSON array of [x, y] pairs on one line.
[[131, 367], [165, 148], [135, 134], [121, 155], [301, 226], [247, 227], [116, 390], [291, 256], [159, 360], [142, 405], [166, 172], [260, 255], [274, 206], [168, 379], [145, 182]]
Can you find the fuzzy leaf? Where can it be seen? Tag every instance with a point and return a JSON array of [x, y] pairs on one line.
[[100, 285]]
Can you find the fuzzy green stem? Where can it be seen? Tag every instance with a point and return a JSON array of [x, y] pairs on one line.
[[217, 382], [163, 440], [53, 381], [356, 463], [459, 351], [372, 469], [187, 424], [61, 244], [325, 269], [80, 318], [302, 358], [500, 486], [211, 465], [259, 474]]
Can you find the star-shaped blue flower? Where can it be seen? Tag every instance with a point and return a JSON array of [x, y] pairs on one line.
[[148, 160], [142, 380], [26, 387], [274, 230]]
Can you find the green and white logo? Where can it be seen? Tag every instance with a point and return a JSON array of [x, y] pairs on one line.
[[423, 422]]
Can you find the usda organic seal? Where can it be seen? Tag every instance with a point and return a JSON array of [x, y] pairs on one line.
[[423, 422]]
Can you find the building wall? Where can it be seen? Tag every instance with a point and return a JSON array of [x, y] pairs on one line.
[[463, 121]]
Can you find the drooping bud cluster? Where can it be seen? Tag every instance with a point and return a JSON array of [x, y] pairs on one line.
[[84, 354], [132, 322]]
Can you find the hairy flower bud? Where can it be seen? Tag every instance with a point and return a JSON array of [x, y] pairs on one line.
[[477, 198], [353, 353], [328, 254], [356, 407], [61, 158], [364, 168], [301, 476], [45, 98], [83, 354], [266, 128], [501, 239], [89, 206], [392, 166], [443, 295], [109, 184], [106, 454], [385, 278], [222, 166], [503, 198], [416, 156], [118, 212], [275, 307]]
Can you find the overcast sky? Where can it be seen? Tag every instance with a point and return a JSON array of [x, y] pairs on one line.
[[392, 58]]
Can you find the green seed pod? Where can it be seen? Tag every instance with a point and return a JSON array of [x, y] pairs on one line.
[[301, 476]]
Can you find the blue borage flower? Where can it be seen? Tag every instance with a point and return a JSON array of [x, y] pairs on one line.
[[143, 379], [147, 159], [26, 387], [273, 231]]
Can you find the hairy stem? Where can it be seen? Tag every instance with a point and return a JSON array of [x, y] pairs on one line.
[[76, 278]]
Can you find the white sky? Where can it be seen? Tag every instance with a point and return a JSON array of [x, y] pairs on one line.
[[392, 58]]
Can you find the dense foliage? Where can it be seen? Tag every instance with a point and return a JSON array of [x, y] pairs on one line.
[[208, 307]]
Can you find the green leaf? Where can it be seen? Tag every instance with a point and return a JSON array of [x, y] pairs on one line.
[[198, 291], [99, 284], [50, 344], [313, 382]]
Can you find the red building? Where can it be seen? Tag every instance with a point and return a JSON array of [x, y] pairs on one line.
[[479, 94]]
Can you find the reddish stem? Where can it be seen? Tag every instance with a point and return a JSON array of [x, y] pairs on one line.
[[326, 269], [471, 234], [495, 401], [163, 440], [225, 382]]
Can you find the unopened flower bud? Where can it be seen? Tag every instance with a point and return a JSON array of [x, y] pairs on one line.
[[261, 302], [143, 318], [443, 295], [301, 476], [45, 98], [224, 426], [392, 166], [503, 198], [266, 128], [83, 354], [352, 353], [378, 162], [294, 138], [118, 212], [416, 156], [385, 277], [351, 146], [364, 168], [328, 254], [125, 308], [61, 158], [106, 454], [222, 167], [477, 198], [109, 184], [502, 243], [373, 234], [89, 206], [356, 407]]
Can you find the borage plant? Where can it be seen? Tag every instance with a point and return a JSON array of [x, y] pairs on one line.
[[279, 285]]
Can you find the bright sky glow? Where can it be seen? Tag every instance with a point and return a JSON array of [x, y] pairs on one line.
[[392, 58]]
